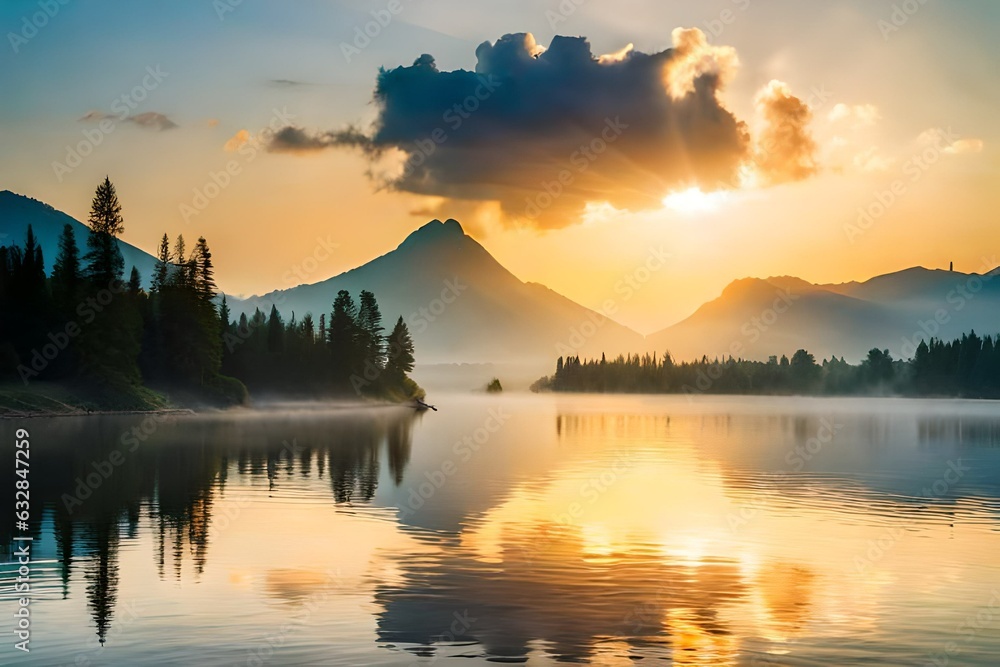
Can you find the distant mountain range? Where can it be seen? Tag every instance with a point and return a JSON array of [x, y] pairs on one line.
[[18, 211], [462, 306], [756, 318]]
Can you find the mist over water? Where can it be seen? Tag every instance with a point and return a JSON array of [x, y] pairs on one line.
[[546, 529]]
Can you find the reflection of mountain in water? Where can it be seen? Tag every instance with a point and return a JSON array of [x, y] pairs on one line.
[[172, 481]]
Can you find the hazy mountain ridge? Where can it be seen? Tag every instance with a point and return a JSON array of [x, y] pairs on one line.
[[461, 305], [756, 318], [18, 211]]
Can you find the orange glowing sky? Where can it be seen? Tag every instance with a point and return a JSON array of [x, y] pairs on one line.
[[908, 109]]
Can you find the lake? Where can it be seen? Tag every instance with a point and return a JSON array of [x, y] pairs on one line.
[[609, 530]]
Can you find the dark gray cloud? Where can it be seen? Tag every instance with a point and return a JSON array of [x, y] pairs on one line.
[[546, 131], [150, 120]]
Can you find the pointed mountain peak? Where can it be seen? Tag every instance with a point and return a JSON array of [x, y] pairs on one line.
[[434, 231]]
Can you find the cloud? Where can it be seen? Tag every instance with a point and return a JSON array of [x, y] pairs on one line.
[[150, 120], [786, 151], [544, 132], [871, 160], [236, 141], [949, 142], [963, 146], [861, 115], [293, 139], [212, 122]]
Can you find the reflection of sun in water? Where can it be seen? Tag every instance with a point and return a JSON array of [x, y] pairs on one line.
[[693, 201]]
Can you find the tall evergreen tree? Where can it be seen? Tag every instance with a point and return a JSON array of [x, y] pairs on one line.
[[343, 335], [275, 332], [134, 282], [105, 211], [400, 353], [162, 270], [66, 275], [105, 264], [204, 271], [369, 324]]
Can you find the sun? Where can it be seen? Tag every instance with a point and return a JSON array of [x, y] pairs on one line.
[[693, 201]]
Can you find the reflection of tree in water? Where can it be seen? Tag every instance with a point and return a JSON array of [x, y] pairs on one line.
[[968, 431], [399, 445], [167, 486], [188, 477], [101, 574]]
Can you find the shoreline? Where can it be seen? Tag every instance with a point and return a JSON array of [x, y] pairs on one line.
[[36, 414]]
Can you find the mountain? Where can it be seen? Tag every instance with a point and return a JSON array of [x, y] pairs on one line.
[[755, 318], [461, 305], [18, 211]]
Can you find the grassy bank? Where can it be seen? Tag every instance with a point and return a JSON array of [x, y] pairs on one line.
[[59, 398]]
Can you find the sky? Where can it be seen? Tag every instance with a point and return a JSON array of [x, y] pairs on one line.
[[832, 141]]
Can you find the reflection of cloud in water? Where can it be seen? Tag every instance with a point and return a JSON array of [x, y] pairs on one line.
[[296, 585], [634, 573]]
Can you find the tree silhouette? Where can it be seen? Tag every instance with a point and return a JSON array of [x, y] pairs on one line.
[[66, 274]]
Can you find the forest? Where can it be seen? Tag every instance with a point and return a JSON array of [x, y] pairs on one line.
[[968, 367], [89, 325]]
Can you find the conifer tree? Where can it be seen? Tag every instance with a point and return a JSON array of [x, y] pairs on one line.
[[66, 272], [105, 264]]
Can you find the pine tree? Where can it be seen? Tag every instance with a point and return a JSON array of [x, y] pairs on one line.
[[134, 282], [343, 335], [105, 211], [66, 276], [275, 332], [105, 264], [162, 271], [400, 360], [204, 272], [180, 273], [225, 316], [369, 324]]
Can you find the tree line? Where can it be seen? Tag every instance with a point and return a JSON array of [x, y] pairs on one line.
[[966, 367], [86, 323]]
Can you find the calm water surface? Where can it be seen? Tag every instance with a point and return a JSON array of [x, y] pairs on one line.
[[539, 529]]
